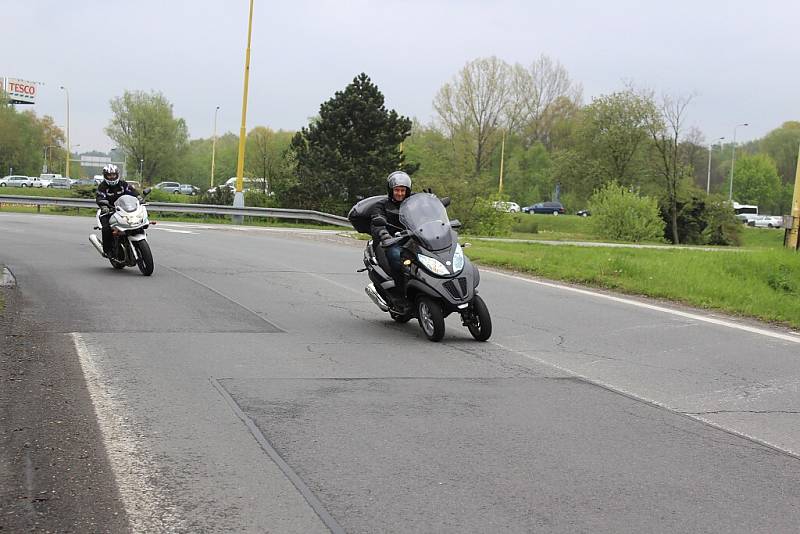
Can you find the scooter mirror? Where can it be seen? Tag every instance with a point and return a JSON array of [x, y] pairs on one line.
[[455, 224], [445, 201]]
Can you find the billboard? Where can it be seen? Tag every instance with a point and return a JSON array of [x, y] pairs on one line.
[[20, 91]]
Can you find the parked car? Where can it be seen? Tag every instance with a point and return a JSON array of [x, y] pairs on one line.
[[14, 180], [248, 184], [169, 187], [766, 221], [86, 181], [189, 189], [509, 207], [40, 182], [61, 183], [136, 185], [556, 208], [583, 213]]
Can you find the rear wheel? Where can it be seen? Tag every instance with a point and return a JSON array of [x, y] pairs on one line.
[[145, 261], [431, 318], [480, 325]]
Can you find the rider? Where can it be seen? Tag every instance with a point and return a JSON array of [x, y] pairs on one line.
[[110, 189], [386, 220]]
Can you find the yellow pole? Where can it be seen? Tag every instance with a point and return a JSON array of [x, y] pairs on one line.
[[795, 231], [242, 131], [214, 146], [502, 157]]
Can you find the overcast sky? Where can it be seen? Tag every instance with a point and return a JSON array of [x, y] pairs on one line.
[[739, 58]]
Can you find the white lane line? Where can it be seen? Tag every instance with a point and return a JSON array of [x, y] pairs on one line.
[[146, 505], [791, 337], [652, 402], [173, 231]]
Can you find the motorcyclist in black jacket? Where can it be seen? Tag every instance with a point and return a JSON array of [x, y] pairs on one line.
[[110, 189], [386, 220]]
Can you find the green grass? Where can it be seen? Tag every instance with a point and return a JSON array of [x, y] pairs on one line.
[[762, 283]]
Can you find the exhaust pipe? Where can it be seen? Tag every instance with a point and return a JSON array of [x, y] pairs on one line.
[[376, 298], [96, 242]]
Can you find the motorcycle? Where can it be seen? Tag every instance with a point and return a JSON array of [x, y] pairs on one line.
[[440, 279], [128, 223]]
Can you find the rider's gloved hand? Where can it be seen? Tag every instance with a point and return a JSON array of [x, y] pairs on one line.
[[385, 236]]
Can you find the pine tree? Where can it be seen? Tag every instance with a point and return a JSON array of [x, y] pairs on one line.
[[348, 151]]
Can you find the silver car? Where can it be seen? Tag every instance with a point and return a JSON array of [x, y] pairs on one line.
[[169, 187]]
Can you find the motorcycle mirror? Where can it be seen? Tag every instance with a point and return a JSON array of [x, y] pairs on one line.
[[455, 224], [146, 191]]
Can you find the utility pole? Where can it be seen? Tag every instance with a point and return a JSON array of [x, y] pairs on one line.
[[792, 240]]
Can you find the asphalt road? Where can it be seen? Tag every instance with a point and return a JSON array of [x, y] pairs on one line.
[[250, 385]]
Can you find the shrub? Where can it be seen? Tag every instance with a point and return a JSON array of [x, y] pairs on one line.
[[485, 220], [703, 220], [622, 215]]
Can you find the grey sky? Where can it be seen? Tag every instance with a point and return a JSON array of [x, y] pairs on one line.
[[738, 57]]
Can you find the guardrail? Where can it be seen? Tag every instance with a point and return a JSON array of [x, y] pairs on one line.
[[211, 209]]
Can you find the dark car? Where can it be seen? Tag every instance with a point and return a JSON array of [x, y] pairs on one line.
[[583, 213], [556, 208]]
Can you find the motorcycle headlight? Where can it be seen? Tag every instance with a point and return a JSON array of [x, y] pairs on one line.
[[434, 266], [458, 259]]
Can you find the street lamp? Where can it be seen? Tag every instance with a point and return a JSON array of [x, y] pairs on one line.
[[47, 156], [66, 167], [214, 146], [733, 160], [238, 196], [141, 170], [708, 183]]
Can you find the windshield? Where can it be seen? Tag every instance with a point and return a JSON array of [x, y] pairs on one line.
[[424, 215], [127, 203]]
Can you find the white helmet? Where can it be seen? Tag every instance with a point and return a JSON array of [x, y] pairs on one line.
[[111, 174]]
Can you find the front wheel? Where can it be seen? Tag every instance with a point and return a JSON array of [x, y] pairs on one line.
[[431, 318], [480, 324], [145, 261]]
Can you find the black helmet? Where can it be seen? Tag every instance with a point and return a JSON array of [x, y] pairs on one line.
[[111, 174], [398, 178]]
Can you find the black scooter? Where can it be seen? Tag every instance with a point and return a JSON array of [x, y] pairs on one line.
[[440, 278]]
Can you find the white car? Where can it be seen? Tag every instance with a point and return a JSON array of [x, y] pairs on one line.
[[14, 180], [40, 182], [767, 221], [510, 207]]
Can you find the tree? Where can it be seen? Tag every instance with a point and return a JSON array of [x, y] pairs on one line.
[[144, 127], [620, 214], [543, 95], [349, 150], [266, 156], [672, 159], [756, 181], [475, 105], [613, 130], [781, 144]]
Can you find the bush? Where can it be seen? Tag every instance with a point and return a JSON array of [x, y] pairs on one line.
[[703, 220], [485, 220], [621, 215]]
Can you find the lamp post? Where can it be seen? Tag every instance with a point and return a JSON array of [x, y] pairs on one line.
[[708, 183], [141, 170], [502, 157], [733, 160], [238, 196], [66, 167], [214, 146], [47, 156]]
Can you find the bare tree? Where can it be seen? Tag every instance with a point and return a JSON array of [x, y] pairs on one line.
[[672, 166], [542, 94], [473, 106]]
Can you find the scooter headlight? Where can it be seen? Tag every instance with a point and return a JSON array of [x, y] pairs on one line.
[[458, 259], [433, 265]]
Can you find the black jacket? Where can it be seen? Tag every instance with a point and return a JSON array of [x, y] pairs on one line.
[[389, 210], [113, 192]]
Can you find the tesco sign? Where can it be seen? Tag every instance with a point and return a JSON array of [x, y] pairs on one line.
[[20, 91]]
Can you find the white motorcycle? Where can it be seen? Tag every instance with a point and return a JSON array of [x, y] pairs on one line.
[[129, 244]]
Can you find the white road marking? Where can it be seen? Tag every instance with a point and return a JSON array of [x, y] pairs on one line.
[[173, 231], [147, 507], [792, 337]]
